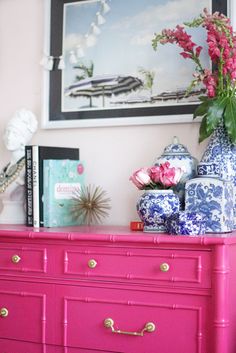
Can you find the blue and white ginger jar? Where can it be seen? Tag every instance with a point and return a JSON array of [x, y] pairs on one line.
[[212, 197], [155, 206], [178, 156]]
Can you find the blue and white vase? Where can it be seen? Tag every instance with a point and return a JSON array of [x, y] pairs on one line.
[[213, 198], [221, 154], [155, 206], [178, 156]]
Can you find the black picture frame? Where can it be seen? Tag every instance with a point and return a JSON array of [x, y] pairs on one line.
[[53, 117]]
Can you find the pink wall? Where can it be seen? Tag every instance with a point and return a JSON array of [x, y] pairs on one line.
[[110, 153]]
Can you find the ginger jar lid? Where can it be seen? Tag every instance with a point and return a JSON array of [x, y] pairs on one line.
[[175, 148]]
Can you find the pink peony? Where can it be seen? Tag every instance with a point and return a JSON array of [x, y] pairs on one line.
[[167, 178], [155, 174], [141, 178], [178, 174], [161, 176]]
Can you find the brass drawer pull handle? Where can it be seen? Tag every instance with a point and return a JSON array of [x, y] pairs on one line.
[[3, 312], [15, 259], [149, 327], [164, 267], [92, 263]]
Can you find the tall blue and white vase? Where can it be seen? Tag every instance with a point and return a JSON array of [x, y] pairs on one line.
[[155, 206], [220, 154]]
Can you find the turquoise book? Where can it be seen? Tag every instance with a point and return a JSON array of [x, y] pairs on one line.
[[61, 180]]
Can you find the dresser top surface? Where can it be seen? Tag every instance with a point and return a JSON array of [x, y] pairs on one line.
[[111, 234]]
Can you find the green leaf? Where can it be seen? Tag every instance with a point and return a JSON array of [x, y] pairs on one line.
[[203, 98], [215, 112], [212, 112], [204, 132], [230, 118], [201, 109], [214, 107]]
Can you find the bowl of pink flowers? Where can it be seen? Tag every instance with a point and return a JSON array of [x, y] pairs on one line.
[[158, 201]]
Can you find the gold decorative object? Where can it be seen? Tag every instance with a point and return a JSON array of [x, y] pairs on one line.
[[149, 327], [164, 267], [15, 259], [3, 312], [90, 204], [92, 263]]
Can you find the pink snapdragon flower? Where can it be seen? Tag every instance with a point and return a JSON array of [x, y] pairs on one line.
[[183, 40], [198, 50], [210, 81], [220, 80], [221, 48]]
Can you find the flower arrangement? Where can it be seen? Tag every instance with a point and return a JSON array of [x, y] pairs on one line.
[[158, 177], [220, 103]]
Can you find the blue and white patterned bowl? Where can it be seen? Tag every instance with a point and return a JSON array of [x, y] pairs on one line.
[[186, 223]]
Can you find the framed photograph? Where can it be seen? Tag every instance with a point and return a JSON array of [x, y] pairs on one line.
[[100, 68]]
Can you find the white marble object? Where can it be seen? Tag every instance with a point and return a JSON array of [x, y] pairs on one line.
[[18, 133]]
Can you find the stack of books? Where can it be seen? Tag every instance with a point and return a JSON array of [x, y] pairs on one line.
[[52, 175]]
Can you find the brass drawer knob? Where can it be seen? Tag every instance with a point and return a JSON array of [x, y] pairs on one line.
[[164, 267], [3, 312], [92, 263], [15, 259], [150, 327]]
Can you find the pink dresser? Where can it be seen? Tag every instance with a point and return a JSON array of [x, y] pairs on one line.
[[107, 290]]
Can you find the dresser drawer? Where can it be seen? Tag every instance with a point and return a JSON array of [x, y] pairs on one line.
[[17, 258], [12, 346], [79, 350], [27, 311], [161, 266], [148, 322], [8, 346]]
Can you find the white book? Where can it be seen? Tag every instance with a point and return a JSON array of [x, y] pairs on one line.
[[36, 215]]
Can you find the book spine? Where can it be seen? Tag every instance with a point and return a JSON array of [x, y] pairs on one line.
[[46, 193], [41, 182], [35, 159], [29, 185]]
